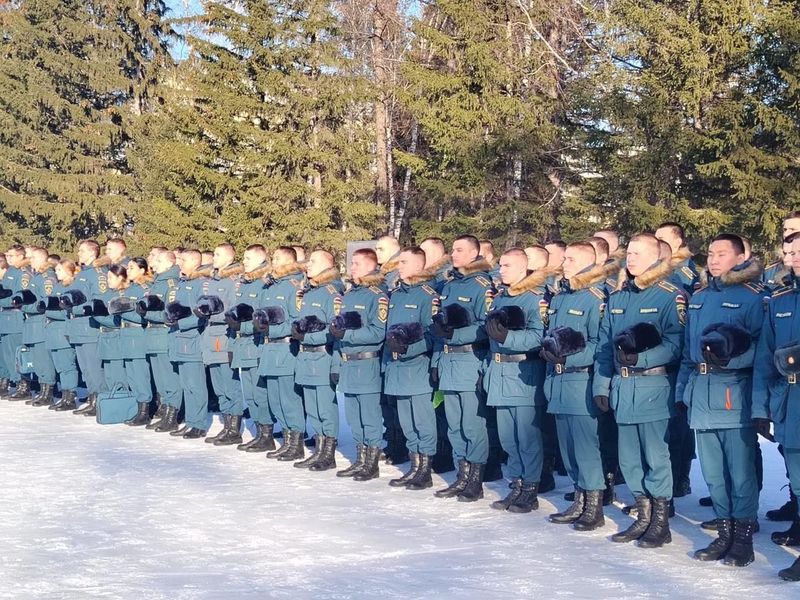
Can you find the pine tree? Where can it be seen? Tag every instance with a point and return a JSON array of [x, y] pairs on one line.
[[74, 77]]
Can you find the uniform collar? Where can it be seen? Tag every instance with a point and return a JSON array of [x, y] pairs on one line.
[[370, 279], [586, 278], [327, 276], [534, 281], [289, 269], [747, 272], [657, 273], [477, 267]]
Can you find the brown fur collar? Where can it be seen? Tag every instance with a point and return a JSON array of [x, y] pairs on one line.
[[655, 274], [681, 255], [258, 272], [324, 278], [103, 261], [423, 277], [202, 271], [619, 254], [230, 271], [144, 280], [535, 280], [26, 262], [370, 279], [389, 266], [434, 269], [478, 265], [611, 269], [751, 272], [596, 274], [288, 269], [45, 269]]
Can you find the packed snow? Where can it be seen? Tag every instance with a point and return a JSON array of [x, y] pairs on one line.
[[112, 511]]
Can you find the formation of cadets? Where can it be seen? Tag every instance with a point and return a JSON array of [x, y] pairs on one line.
[[608, 364]]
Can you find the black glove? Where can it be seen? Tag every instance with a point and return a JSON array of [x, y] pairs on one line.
[[625, 359], [721, 342], [395, 345], [231, 321], [496, 330], [762, 428], [99, 308], [72, 298], [118, 306], [334, 379], [552, 358], [601, 402], [27, 298], [347, 320], [433, 374], [335, 330], [442, 330], [261, 321], [4, 293], [711, 358], [296, 333], [16, 301]]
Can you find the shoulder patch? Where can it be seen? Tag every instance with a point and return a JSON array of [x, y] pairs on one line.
[[337, 305], [483, 281], [544, 313], [171, 283], [488, 299], [428, 290], [383, 309], [680, 307], [666, 285]]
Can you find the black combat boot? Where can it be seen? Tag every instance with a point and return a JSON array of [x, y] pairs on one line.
[[608, 493], [226, 423], [573, 512], [638, 528], [473, 490], [790, 537], [4, 385], [45, 397], [741, 552], [527, 500], [327, 458], [23, 391], [142, 416], [234, 433], [56, 402], [455, 488], [787, 512], [791, 573], [511, 497], [547, 483], [592, 516], [86, 406], [34, 397], [91, 411], [193, 433], [160, 413], [422, 477], [409, 475], [181, 431], [263, 442], [658, 532], [284, 447], [569, 496], [169, 422], [361, 453], [713, 524], [68, 401], [294, 447], [370, 469], [720, 546], [305, 464]]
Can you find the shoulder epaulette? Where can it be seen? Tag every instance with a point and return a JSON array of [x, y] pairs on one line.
[[773, 265], [483, 281], [331, 289], [598, 293], [754, 287], [666, 285], [376, 290], [428, 289], [171, 283], [688, 272], [781, 291]]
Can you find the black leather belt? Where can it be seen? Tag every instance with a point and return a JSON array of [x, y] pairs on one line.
[[402, 357], [282, 340], [359, 356], [634, 372], [459, 349], [304, 348], [10, 308], [560, 369], [509, 358], [706, 368]]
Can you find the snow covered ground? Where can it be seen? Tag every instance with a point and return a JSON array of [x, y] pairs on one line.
[[91, 511]]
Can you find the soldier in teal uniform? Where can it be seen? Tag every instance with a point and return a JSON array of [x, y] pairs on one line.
[[185, 348], [684, 269], [219, 295], [161, 292], [40, 285], [359, 330], [714, 386], [460, 349], [776, 391], [515, 374], [11, 319], [246, 347], [574, 317], [641, 337], [278, 309], [109, 345], [387, 249], [318, 305], [407, 364], [61, 352]]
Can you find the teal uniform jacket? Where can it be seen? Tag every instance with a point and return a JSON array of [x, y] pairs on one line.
[[722, 400], [320, 298], [439, 273], [685, 271], [246, 344], [775, 397], [109, 345], [133, 337], [215, 339], [774, 275], [279, 359], [11, 319], [519, 383], [414, 301], [579, 304], [472, 288], [367, 298], [611, 269], [391, 276], [92, 281], [648, 298], [56, 322], [184, 336], [165, 287], [42, 285]]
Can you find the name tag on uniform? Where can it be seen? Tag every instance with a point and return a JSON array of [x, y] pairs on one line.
[[647, 311], [410, 306], [782, 315], [573, 311], [391, 306], [730, 305], [280, 297], [188, 287], [359, 307], [617, 311], [695, 306], [252, 295], [316, 304], [463, 299]]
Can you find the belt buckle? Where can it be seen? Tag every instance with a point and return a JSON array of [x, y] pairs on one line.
[[559, 368], [792, 379], [344, 357], [497, 357], [624, 372], [446, 349], [395, 356], [703, 368]]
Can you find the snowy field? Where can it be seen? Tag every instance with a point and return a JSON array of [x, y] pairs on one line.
[[93, 511]]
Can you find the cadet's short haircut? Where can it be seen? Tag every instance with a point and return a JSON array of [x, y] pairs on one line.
[[558, 244], [516, 252], [19, 248], [39, 251], [795, 214], [68, 265], [735, 241], [91, 244], [119, 271], [287, 251], [585, 247], [599, 243], [256, 248], [228, 246], [677, 229], [159, 249], [540, 250], [55, 257], [793, 237], [140, 262], [118, 241], [367, 253], [473, 241], [488, 243], [195, 254], [436, 242], [415, 251], [647, 238], [169, 256]]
